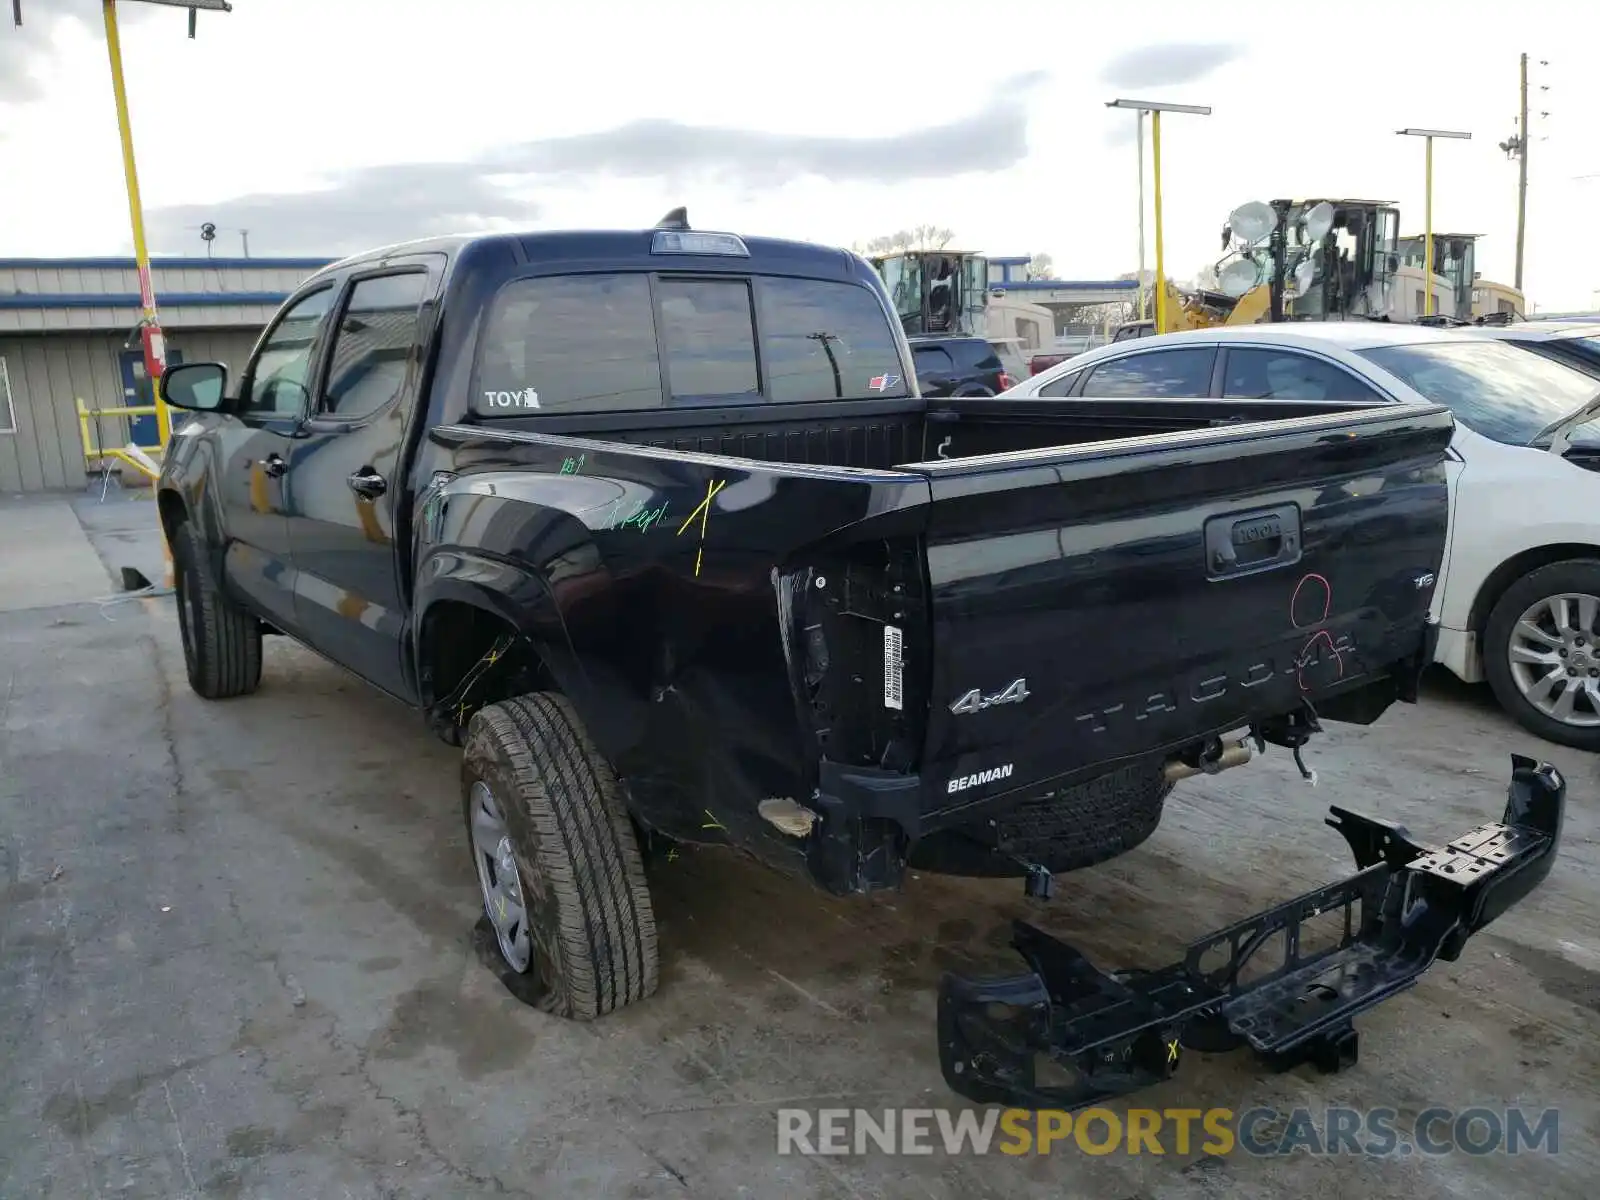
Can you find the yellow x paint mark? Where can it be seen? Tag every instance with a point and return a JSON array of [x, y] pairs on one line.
[[1172, 1051], [703, 511]]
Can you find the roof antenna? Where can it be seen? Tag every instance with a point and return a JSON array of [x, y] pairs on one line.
[[678, 218]]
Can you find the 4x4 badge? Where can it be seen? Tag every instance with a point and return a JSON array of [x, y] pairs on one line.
[[976, 701]]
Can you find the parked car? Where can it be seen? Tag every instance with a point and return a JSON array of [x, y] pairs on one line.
[[1012, 364], [1573, 342], [1518, 602], [952, 365], [672, 574]]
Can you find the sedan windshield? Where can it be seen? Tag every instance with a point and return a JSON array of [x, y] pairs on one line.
[[1501, 391]]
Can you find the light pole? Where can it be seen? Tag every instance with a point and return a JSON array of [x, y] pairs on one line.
[[1427, 135], [1155, 108], [1140, 139]]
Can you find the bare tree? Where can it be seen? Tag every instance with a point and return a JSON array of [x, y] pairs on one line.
[[1040, 265], [921, 237]]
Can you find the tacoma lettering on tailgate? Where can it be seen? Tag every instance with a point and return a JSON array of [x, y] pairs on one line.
[[1319, 649]]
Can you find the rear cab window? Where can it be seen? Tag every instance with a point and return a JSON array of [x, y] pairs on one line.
[[614, 342]]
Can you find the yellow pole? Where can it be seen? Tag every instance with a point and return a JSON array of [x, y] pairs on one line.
[[147, 298], [1155, 172], [141, 254], [1427, 236]]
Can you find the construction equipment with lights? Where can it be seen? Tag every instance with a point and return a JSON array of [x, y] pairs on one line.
[[1316, 259]]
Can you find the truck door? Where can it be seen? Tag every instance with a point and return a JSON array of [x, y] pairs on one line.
[[348, 474], [273, 398]]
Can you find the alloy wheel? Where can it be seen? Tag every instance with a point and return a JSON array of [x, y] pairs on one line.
[[503, 897], [1554, 654]]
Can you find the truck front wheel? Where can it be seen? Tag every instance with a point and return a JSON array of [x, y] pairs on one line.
[[564, 891], [221, 642]]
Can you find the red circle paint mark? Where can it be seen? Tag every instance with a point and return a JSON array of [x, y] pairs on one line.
[[1303, 601]]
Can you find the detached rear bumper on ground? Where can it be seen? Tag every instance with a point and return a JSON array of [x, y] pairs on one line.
[[1407, 905]]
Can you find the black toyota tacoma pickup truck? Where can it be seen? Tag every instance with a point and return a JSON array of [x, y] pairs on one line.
[[657, 525]]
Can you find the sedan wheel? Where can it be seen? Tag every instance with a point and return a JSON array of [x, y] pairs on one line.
[[1555, 658], [1542, 652]]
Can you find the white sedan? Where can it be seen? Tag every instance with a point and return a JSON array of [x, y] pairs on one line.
[[1518, 601]]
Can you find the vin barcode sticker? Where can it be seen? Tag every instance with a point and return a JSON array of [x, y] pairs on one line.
[[892, 644]]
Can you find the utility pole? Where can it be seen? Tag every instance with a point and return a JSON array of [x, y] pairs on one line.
[[1522, 171]]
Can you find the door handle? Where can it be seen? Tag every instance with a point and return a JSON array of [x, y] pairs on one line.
[[367, 482], [1242, 543], [274, 465]]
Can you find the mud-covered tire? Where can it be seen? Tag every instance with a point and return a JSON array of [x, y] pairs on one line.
[[221, 642], [1089, 822], [591, 928], [1575, 577]]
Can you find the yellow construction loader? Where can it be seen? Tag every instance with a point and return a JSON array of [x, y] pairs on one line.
[[1287, 260]]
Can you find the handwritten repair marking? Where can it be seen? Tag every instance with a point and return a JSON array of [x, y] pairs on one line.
[[703, 511], [641, 516], [571, 466], [1309, 653]]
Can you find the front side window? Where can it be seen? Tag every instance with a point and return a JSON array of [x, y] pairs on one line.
[[822, 340], [709, 337], [1496, 389], [373, 345], [1182, 373], [1287, 375], [569, 343], [277, 386]]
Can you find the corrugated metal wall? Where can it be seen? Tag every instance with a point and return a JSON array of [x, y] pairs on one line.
[[47, 373], [227, 275]]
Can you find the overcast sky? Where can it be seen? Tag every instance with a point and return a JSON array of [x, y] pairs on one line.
[[326, 126]]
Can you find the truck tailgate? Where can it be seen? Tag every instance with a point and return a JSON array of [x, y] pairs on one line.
[[1111, 600]]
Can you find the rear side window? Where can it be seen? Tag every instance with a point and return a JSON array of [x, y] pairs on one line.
[[827, 341], [1183, 373], [933, 360], [569, 343], [1060, 387]]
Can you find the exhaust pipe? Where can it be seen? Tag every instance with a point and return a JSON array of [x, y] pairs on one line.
[[1214, 758]]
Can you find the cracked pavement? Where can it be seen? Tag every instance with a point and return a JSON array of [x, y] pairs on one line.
[[235, 961]]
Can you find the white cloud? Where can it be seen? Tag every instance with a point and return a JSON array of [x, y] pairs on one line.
[[835, 121]]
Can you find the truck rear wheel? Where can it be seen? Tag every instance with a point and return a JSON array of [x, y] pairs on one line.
[[564, 891], [221, 642]]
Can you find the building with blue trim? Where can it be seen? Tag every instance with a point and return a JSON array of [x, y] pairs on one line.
[[69, 331]]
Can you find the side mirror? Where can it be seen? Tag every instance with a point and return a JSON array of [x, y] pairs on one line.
[[198, 387]]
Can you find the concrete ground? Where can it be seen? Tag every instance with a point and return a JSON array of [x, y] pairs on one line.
[[235, 962]]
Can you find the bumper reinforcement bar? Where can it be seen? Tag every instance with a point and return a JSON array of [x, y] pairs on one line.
[[1407, 905]]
